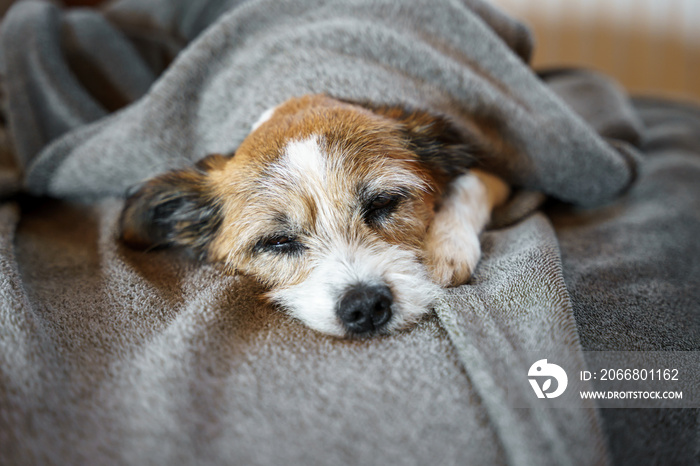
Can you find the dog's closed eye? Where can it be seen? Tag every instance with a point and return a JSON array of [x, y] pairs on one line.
[[280, 244], [383, 201], [381, 207]]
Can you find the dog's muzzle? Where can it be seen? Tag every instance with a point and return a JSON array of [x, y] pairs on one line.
[[365, 309]]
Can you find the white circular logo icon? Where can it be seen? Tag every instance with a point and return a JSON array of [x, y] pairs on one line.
[[542, 370]]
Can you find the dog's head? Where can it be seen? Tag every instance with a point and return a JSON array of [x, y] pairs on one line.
[[327, 203]]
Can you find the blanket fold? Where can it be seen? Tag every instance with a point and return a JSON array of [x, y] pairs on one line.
[[462, 59], [492, 350]]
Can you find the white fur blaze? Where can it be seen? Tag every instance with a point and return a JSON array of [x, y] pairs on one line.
[[305, 159]]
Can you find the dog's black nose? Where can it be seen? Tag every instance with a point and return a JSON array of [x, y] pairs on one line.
[[365, 308]]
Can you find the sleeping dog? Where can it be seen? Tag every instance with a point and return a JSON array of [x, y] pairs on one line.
[[353, 216]]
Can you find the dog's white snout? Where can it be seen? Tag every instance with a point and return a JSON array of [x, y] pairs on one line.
[[356, 290]]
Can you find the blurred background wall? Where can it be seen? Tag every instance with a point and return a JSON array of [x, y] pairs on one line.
[[651, 46]]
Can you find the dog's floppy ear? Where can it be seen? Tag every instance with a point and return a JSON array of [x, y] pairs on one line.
[[177, 208], [444, 148]]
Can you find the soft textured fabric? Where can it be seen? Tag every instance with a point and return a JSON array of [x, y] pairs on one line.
[[462, 59], [113, 356], [632, 272]]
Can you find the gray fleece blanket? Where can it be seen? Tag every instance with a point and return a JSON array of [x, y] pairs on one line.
[[112, 356]]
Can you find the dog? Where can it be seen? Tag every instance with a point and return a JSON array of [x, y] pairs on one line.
[[353, 216]]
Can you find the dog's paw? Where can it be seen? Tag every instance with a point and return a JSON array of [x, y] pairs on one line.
[[452, 256], [452, 247]]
